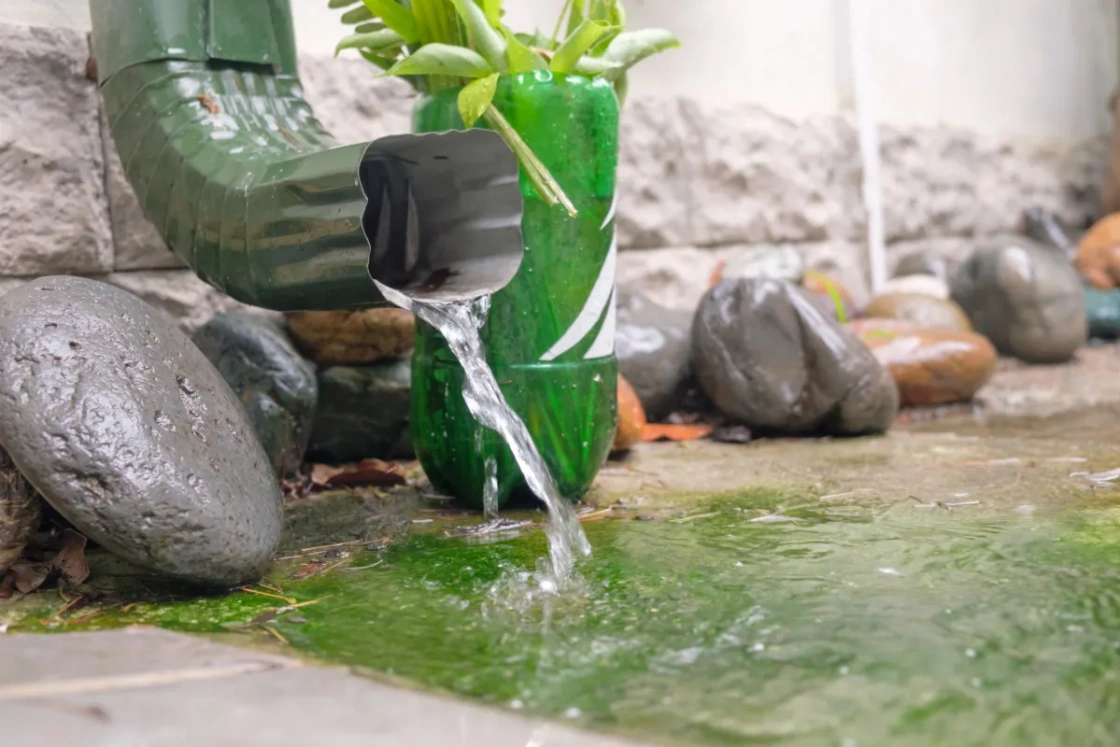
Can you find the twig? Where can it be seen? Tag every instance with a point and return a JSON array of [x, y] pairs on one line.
[[275, 634], [289, 600]]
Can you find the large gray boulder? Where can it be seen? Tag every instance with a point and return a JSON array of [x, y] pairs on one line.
[[1026, 298], [130, 433], [654, 350], [274, 382], [768, 357]]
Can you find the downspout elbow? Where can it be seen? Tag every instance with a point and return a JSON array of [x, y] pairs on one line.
[[240, 179]]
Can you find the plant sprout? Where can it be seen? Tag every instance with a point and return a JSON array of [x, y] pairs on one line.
[[443, 44]]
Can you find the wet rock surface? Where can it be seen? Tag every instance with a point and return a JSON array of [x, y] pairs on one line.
[[20, 512], [631, 418], [1102, 307], [1025, 298], [350, 338], [929, 366], [274, 382], [920, 310], [654, 352], [363, 412], [132, 435], [767, 357]]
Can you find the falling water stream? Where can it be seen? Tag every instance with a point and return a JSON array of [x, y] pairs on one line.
[[459, 322]]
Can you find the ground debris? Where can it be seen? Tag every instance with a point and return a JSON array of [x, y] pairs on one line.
[[672, 432], [69, 565], [365, 472], [208, 104], [732, 434], [1099, 478]]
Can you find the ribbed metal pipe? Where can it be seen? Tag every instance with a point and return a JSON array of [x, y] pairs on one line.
[[231, 166]]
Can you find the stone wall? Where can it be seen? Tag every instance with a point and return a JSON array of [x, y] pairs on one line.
[[696, 182]]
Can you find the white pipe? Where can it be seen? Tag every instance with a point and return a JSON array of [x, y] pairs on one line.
[[868, 144]]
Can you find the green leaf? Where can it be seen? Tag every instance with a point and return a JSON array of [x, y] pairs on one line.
[[368, 28], [476, 97], [357, 15], [484, 38], [493, 11], [342, 3], [576, 17], [377, 40], [521, 58], [443, 59], [592, 66], [631, 47], [382, 62], [542, 179], [395, 16], [581, 40], [535, 39]]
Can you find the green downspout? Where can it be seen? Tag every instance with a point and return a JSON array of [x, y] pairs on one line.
[[229, 163]]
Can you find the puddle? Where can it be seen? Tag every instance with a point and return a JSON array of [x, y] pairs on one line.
[[840, 624]]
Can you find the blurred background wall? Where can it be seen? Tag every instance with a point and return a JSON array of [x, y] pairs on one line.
[[747, 136]]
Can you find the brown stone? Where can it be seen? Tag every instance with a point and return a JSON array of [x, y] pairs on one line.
[[920, 310], [930, 366], [631, 418], [348, 338], [1098, 253]]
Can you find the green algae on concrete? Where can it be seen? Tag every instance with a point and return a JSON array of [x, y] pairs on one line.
[[945, 585], [750, 620]]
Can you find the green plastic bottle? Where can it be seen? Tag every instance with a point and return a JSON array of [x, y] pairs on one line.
[[550, 333]]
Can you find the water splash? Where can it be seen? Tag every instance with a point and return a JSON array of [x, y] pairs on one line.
[[459, 322], [490, 490]]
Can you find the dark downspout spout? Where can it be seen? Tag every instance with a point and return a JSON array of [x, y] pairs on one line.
[[230, 164]]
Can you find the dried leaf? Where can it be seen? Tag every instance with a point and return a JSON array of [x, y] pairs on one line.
[[29, 576], [71, 562], [367, 472], [669, 432], [321, 474], [308, 569]]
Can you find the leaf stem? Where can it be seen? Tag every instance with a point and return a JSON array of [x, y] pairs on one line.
[[551, 192], [559, 23]]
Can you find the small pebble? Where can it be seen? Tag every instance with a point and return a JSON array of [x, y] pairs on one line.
[[970, 653], [573, 712]]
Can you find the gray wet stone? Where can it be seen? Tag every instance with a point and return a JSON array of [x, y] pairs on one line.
[[20, 512], [130, 433], [363, 413], [654, 350], [1025, 297], [768, 357], [274, 382]]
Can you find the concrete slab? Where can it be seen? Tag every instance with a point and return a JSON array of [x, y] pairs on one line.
[[153, 688]]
